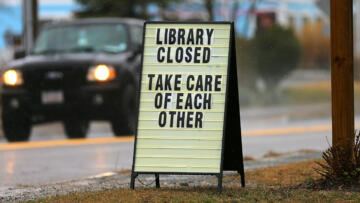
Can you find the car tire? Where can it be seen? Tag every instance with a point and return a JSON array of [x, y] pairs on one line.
[[16, 128], [76, 128], [120, 128], [124, 121]]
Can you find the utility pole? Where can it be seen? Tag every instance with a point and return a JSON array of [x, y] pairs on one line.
[[30, 23], [357, 33], [342, 76]]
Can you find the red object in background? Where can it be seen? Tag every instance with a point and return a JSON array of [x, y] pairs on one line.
[[265, 19]]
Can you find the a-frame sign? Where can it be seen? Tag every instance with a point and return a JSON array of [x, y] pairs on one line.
[[189, 115]]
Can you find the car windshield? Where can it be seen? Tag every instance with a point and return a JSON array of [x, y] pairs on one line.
[[110, 38]]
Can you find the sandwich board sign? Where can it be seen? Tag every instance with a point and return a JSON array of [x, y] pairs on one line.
[[188, 118]]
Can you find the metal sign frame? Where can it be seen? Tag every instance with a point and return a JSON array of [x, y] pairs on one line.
[[234, 153]]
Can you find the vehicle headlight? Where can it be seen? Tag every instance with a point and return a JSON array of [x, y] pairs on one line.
[[12, 77], [101, 73]]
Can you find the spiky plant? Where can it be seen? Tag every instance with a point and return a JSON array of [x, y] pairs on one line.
[[336, 169]]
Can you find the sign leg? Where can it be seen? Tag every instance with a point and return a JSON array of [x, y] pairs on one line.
[[157, 180], [219, 183], [233, 157], [241, 171], [242, 176], [132, 181]]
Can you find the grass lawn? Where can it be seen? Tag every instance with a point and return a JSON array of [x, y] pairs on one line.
[[277, 184], [303, 94], [316, 92]]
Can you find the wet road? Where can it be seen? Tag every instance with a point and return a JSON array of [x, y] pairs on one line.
[[41, 162], [50, 157], [37, 163]]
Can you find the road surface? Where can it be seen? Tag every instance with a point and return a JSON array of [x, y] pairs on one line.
[[49, 157]]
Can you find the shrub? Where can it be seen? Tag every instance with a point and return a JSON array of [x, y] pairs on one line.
[[337, 169], [276, 52]]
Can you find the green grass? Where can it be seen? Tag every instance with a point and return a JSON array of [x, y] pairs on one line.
[[317, 92], [304, 94], [276, 184]]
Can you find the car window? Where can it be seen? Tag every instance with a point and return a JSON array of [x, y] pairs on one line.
[[136, 35], [77, 38]]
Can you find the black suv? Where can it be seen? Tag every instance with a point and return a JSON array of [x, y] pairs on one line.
[[77, 72]]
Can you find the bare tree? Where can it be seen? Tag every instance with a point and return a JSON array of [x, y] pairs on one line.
[[209, 5]]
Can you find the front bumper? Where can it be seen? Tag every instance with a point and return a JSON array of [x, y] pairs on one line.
[[92, 102]]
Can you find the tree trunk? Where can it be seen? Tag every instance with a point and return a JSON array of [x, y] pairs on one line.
[[209, 5]]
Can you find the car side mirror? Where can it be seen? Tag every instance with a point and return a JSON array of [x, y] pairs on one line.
[[19, 53]]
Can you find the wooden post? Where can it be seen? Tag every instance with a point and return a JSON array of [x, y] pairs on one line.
[[342, 75]]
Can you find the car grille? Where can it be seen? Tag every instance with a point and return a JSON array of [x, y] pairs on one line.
[[53, 78]]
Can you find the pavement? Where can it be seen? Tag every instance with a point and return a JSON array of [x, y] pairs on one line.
[[49, 158], [45, 161], [112, 180]]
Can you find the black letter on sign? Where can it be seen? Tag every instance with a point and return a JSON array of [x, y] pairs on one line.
[[207, 101], [158, 100], [181, 34], [180, 119], [179, 100], [172, 113], [197, 55], [167, 99], [162, 119], [198, 119], [199, 84], [218, 83], [179, 54], [159, 85], [188, 57], [177, 82], [190, 39], [209, 34], [166, 36], [159, 57], [158, 37], [168, 81], [151, 76], [188, 85], [168, 59], [208, 82], [172, 38], [206, 55], [188, 103], [199, 36], [189, 119], [197, 103]]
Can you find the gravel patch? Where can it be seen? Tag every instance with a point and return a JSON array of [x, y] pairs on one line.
[[121, 180]]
